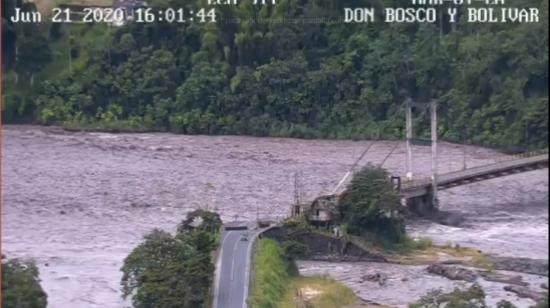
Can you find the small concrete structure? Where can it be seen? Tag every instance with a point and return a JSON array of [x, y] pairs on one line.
[[422, 204], [324, 211], [299, 209]]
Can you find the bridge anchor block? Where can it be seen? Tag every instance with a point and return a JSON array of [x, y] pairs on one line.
[[423, 205]]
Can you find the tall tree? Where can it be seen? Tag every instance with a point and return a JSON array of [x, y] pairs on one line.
[[21, 285]]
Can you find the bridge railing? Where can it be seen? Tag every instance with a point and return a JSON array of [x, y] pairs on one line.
[[530, 154], [411, 184], [510, 157], [408, 184]]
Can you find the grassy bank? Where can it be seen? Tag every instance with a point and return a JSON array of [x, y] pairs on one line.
[[275, 283], [318, 292], [271, 275]]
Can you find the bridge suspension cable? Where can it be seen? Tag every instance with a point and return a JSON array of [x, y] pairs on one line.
[[346, 176]]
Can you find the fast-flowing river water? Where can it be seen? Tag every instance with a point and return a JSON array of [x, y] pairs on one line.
[[78, 203]]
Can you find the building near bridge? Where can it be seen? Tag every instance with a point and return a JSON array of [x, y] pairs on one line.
[[323, 211]]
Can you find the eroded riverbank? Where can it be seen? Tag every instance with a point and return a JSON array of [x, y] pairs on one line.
[[79, 202]]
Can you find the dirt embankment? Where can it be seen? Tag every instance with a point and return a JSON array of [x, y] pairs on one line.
[[321, 247]]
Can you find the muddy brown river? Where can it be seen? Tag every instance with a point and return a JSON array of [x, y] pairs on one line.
[[78, 203]]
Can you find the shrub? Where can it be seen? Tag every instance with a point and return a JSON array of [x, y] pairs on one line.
[[505, 304], [370, 205], [21, 285], [474, 297]]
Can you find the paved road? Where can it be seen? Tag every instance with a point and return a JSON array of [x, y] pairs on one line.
[[233, 268]]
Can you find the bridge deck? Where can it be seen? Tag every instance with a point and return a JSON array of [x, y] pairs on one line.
[[462, 177]]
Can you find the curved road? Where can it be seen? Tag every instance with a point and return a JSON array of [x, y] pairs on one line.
[[233, 268]]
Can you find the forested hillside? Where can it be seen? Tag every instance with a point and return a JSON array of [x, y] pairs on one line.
[[297, 78]]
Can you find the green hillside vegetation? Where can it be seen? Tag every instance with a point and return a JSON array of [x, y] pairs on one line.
[[46, 52], [296, 79]]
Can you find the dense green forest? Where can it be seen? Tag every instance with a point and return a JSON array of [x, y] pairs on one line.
[[297, 78]]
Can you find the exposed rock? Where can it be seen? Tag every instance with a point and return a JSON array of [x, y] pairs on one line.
[[521, 265], [544, 286], [525, 292], [375, 277], [451, 262], [498, 277], [452, 272], [453, 219], [448, 218], [140, 205]]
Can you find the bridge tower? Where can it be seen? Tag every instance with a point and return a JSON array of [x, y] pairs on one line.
[[433, 122], [427, 202], [409, 134]]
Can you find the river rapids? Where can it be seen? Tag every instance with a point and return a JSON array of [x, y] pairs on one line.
[[78, 202]]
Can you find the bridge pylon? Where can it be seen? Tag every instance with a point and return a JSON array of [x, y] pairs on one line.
[[424, 204], [433, 123]]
